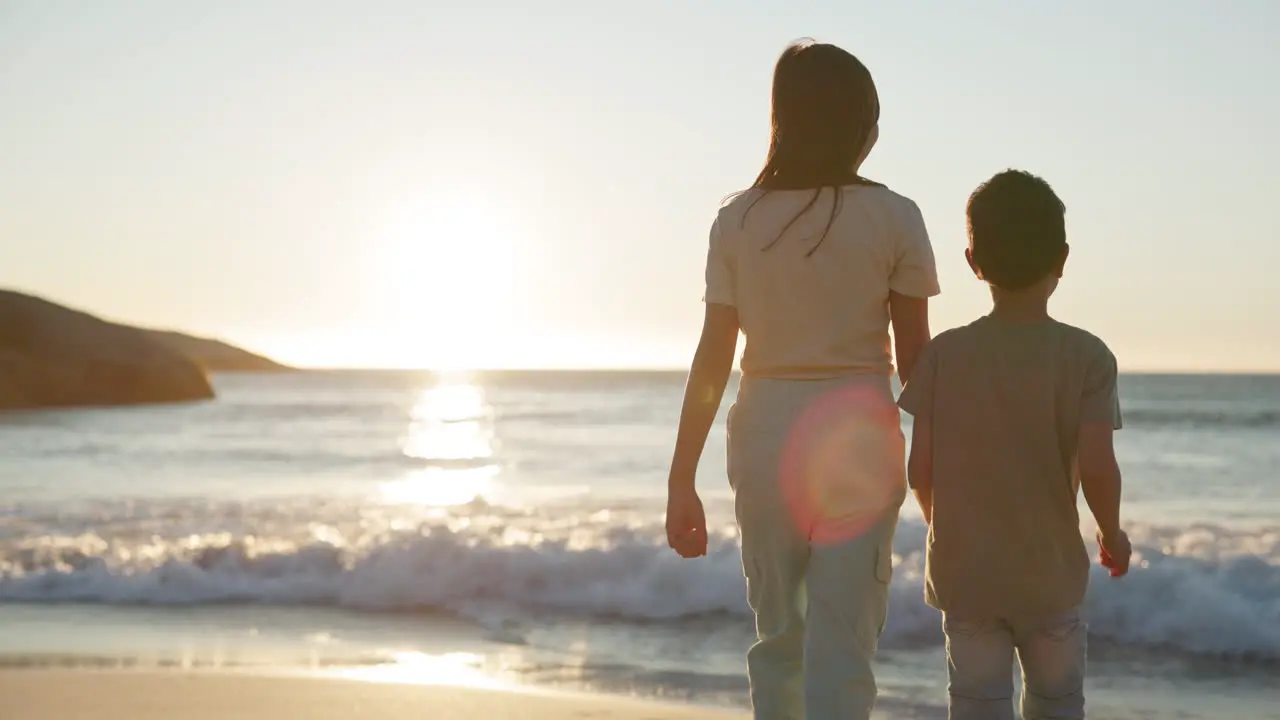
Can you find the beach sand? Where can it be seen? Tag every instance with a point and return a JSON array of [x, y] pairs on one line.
[[176, 695]]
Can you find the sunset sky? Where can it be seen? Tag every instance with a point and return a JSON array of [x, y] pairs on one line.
[[414, 184]]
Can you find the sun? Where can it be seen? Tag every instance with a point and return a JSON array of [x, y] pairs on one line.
[[448, 276]]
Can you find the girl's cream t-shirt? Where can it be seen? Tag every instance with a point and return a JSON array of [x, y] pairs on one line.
[[812, 313]]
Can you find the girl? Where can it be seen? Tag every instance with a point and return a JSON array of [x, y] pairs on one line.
[[812, 264]]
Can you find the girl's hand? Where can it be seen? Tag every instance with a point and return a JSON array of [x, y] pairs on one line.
[[1114, 552], [686, 523]]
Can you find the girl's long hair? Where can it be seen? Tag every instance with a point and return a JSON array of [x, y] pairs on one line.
[[824, 109]]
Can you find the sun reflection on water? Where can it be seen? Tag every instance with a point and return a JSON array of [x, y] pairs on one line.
[[450, 435], [455, 669]]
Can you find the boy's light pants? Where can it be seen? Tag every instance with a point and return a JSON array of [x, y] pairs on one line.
[[818, 475], [1051, 651]]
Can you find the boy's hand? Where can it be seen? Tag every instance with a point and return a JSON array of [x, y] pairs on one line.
[[686, 523], [1114, 552]]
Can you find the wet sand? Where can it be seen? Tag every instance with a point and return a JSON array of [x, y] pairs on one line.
[[159, 695]]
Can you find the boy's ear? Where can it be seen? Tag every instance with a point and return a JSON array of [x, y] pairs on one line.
[[1062, 263], [968, 257]]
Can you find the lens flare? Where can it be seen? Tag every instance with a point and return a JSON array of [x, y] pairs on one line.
[[843, 465]]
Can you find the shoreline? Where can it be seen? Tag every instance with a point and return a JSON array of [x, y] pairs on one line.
[[595, 661], [86, 694], [458, 683]]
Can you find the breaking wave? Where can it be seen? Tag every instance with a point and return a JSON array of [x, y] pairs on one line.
[[1201, 589]]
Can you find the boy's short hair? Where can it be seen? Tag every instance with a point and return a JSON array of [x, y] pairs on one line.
[[1017, 229]]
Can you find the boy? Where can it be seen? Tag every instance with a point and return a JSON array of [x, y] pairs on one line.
[[1011, 414]]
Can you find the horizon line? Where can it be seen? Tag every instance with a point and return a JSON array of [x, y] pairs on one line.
[[670, 369]]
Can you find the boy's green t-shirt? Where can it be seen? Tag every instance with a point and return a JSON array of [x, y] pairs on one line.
[[1006, 402]]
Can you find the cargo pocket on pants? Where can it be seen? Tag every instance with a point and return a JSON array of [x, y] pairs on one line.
[[884, 573], [729, 465], [884, 562]]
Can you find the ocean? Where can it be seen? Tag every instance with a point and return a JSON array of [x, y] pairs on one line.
[[507, 527]]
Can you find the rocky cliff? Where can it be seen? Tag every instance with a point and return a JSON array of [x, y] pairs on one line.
[[52, 356], [215, 355]]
